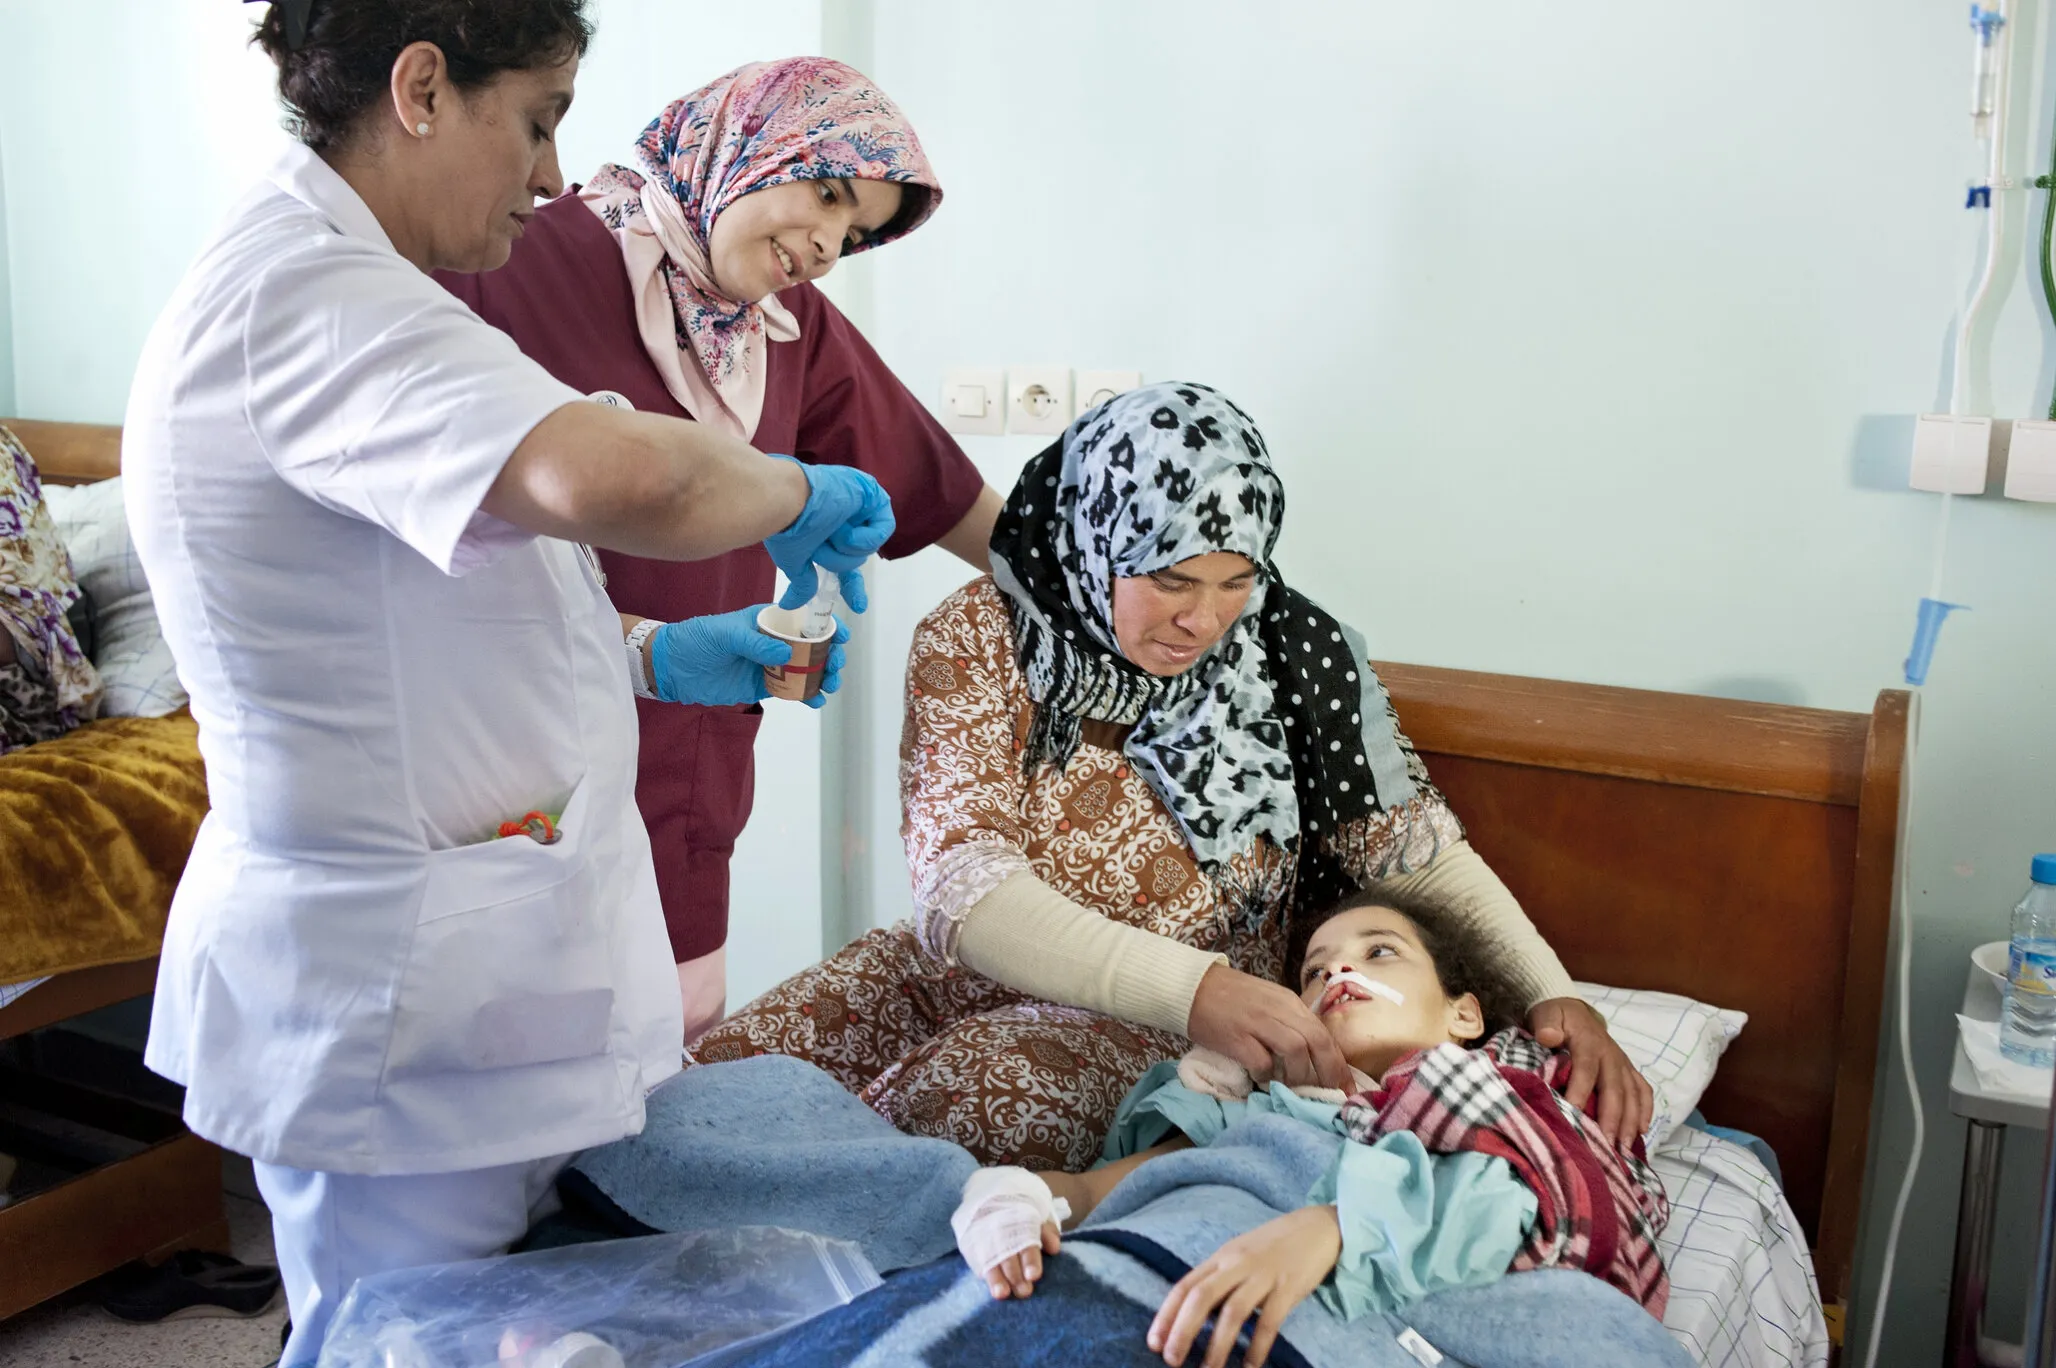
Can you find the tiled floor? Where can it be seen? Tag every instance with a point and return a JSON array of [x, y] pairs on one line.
[[71, 1332]]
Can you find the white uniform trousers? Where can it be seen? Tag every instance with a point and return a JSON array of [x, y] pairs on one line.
[[334, 1228]]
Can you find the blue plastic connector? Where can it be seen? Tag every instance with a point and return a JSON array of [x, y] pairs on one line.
[[1933, 612], [1980, 197]]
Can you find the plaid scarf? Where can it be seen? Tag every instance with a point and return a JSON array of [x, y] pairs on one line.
[[1597, 1209]]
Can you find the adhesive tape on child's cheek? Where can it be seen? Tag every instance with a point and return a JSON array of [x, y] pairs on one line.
[[611, 398], [1370, 985]]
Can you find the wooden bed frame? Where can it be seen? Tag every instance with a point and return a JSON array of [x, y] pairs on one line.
[[167, 1195], [1742, 853], [163, 1197]]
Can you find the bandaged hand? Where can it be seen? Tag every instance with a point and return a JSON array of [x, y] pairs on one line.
[[1007, 1221], [720, 659], [1214, 1074], [848, 517]]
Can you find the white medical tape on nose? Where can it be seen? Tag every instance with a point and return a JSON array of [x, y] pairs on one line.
[[1003, 1212], [1369, 985]]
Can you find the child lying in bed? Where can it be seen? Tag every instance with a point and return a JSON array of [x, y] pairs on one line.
[[1466, 1161]]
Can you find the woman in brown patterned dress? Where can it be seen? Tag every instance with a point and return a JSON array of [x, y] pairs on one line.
[[1133, 759]]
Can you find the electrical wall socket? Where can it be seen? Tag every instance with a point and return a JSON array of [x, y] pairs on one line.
[[1095, 387], [1951, 454], [974, 401], [1038, 399]]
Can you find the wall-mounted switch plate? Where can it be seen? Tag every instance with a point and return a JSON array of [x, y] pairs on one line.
[[974, 401]]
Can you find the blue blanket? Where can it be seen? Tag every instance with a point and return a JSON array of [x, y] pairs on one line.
[[772, 1141], [1094, 1305]]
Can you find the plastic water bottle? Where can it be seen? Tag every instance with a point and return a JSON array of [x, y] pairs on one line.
[[2027, 1016]]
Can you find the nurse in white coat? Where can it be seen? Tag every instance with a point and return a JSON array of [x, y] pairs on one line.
[[361, 509]]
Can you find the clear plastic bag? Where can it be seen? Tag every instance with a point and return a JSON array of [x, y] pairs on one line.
[[661, 1301]]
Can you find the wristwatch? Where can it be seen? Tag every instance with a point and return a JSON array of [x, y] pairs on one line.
[[638, 665]]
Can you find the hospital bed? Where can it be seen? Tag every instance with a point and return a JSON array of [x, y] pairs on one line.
[[94, 828], [1739, 854]]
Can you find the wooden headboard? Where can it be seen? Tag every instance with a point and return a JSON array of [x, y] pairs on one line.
[[69, 453], [1740, 853]]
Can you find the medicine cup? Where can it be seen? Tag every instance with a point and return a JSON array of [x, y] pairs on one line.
[[801, 679]]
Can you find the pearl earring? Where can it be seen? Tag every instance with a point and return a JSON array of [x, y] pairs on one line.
[[422, 128]]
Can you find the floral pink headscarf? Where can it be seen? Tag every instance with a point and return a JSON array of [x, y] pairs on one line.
[[805, 118]]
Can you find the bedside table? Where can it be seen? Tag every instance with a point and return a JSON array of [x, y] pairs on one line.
[[1989, 1114]]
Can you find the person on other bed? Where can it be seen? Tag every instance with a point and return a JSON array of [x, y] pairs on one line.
[[1131, 755], [47, 685], [1463, 1163]]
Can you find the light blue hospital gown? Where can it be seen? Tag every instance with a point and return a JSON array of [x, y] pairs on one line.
[[1412, 1222]]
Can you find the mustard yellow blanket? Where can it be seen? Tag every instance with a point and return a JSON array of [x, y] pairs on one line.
[[94, 831]]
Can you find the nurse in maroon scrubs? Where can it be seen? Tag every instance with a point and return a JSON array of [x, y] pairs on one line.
[[681, 280]]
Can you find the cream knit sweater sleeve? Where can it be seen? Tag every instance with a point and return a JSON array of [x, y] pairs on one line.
[[1032, 938]]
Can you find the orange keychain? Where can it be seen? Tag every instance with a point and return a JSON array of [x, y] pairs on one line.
[[538, 825]]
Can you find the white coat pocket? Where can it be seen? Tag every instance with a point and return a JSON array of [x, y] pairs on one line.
[[509, 965]]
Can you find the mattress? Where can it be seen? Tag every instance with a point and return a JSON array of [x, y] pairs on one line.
[[1743, 1293], [10, 991]]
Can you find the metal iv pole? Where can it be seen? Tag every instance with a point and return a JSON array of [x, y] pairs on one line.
[[2041, 1293]]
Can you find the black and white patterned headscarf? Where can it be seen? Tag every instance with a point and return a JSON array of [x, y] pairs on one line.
[[1281, 728]]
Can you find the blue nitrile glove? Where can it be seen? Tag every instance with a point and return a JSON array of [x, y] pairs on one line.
[[721, 658], [847, 518]]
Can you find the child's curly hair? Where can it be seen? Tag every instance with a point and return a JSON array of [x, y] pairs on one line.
[[1462, 951]]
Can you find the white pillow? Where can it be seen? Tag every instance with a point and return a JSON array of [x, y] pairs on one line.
[[1675, 1041], [129, 648]]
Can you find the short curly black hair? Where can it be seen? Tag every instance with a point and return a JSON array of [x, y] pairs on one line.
[[344, 64], [1460, 949]]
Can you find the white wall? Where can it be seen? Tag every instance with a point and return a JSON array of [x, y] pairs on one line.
[[1576, 336], [1584, 340], [6, 299], [126, 131]]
